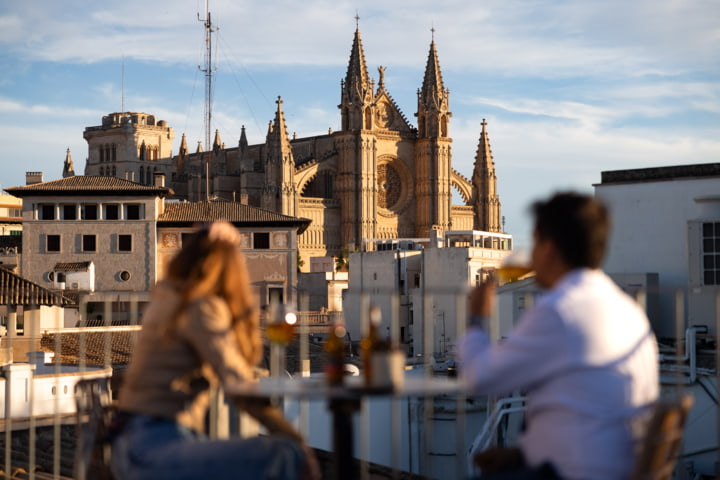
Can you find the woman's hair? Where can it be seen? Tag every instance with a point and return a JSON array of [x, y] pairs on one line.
[[210, 263]]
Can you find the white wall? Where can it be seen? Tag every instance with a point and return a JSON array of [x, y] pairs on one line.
[[650, 233]]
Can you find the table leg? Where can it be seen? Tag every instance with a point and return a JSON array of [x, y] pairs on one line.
[[345, 467]]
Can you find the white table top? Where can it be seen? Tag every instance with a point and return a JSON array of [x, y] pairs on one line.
[[317, 388]]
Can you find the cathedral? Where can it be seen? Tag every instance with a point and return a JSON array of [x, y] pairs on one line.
[[378, 177]]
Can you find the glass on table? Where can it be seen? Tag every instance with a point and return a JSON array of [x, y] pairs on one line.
[[280, 330]]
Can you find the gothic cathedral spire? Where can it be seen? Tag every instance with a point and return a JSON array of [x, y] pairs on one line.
[[433, 99], [433, 157], [68, 168], [484, 181], [279, 194], [357, 90]]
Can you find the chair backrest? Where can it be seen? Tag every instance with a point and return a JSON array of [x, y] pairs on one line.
[[94, 413], [662, 440]]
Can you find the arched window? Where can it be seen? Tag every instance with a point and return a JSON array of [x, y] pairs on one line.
[[114, 171], [102, 171], [142, 175], [114, 152], [102, 155]]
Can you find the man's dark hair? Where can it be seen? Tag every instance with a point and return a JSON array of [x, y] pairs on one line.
[[577, 224]]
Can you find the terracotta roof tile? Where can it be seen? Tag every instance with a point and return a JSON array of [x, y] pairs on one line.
[[93, 345], [15, 290], [89, 185], [71, 267], [234, 212]]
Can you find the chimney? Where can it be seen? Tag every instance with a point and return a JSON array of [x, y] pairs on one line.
[[159, 179], [31, 178]]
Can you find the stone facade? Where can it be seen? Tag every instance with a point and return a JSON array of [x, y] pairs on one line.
[[379, 177], [121, 234]]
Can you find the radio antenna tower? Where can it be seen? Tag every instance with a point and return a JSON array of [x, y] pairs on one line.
[[208, 69]]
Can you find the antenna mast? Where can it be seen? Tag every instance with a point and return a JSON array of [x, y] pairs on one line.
[[122, 87], [208, 70]]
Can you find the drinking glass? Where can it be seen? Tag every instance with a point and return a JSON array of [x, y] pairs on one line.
[[280, 331], [514, 266]]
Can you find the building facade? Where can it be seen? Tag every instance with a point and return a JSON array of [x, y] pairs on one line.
[[109, 239], [681, 245], [421, 288], [378, 177]]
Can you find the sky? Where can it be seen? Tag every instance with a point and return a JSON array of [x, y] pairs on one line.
[[569, 89]]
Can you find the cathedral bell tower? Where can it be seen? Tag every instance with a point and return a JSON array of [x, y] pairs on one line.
[[356, 184], [433, 150], [485, 199]]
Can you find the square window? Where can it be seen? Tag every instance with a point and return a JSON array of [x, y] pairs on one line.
[[261, 240], [708, 230], [89, 212], [708, 261], [708, 245], [132, 212], [125, 243], [185, 238], [69, 212], [53, 243], [88, 243], [112, 212], [47, 212]]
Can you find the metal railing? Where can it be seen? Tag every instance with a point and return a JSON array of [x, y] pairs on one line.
[[429, 437]]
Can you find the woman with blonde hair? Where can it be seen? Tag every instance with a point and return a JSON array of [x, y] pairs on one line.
[[200, 328]]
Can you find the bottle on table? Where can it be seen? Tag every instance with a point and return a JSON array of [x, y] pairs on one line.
[[335, 349], [372, 345]]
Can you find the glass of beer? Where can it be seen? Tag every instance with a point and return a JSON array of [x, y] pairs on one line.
[[514, 266], [280, 331]]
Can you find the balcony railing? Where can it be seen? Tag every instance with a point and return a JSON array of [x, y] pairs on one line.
[[430, 437]]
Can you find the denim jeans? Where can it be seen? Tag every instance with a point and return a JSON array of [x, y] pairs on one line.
[[150, 448]]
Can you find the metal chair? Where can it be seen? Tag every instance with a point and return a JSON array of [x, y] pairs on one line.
[[662, 440], [94, 414]]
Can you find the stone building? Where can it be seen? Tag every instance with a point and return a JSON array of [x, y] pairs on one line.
[[378, 177], [109, 239]]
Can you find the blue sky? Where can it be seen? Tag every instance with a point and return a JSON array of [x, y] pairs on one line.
[[569, 88]]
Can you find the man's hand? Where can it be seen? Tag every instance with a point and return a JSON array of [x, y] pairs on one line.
[[482, 298]]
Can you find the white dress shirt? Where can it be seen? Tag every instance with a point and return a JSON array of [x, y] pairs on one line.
[[587, 359]]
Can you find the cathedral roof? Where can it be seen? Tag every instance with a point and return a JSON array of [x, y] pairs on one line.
[[184, 213], [87, 185]]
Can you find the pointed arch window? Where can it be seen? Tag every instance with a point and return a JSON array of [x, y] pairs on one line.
[[142, 174]]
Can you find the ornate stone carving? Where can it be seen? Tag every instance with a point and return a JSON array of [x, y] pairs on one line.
[[389, 186]]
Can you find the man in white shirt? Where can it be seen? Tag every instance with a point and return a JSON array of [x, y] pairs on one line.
[[584, 354]]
